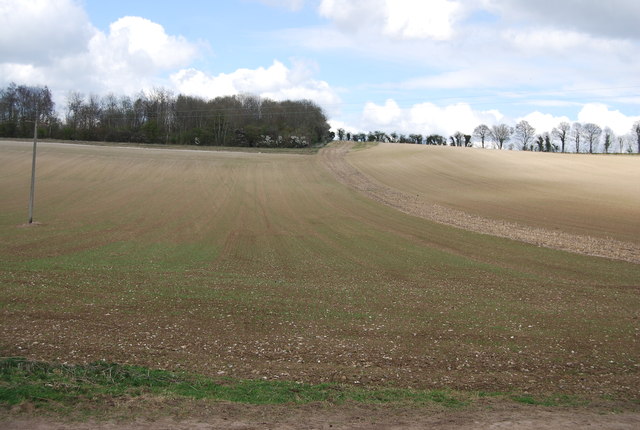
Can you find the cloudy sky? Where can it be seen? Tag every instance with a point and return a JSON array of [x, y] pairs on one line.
[[411, 66]]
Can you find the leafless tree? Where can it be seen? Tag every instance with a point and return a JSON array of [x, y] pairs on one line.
[[482, 132], [500, 134], [621, 141], [524, 133], [577, 134], [562, 133], [20, 105], [591, 132], [636, 129]]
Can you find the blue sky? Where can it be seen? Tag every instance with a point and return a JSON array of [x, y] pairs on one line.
[[411, 66]]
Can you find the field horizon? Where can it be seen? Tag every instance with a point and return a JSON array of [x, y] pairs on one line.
[[268, 266]]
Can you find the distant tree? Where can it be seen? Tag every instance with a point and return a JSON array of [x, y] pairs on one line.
[[500, 134], [562, 133], [435, 139], [467, 140], [341, 134], [548, 145], [524, 133], [539, 141], [381, 136], [621, 141], [348, 136], [591, 132], [482, 132], [608, 139], [20, 105], [457, 139], [577, 134], [636, 129]]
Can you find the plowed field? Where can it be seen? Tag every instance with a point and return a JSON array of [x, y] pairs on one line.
[[266, 266], [596, 195]]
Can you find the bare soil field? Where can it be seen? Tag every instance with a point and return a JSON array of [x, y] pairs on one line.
[[578, 203], [264, 266], [592, 194]]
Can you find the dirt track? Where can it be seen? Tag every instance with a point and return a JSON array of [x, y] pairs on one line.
[[334, 158], [374, 418]]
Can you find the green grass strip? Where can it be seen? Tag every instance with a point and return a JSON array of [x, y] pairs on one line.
[[23, 380]]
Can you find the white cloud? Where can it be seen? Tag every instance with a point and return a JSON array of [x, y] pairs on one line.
[[600, 114], [451, 118], [425, 118], [417, 19], [130, 57], [142, 43], [548, 42], [53, 43], [38, 31], [277, 82], [401, 19], [351, 15], [611, 18], [543, 122], [336, 124], [386, 116]]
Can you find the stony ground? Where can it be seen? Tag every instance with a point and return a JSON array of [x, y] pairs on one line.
[[264, 266], [414, 204]]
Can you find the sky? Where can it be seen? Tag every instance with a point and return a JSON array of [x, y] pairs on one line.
[[410, 66]]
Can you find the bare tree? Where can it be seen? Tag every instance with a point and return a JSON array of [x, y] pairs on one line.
[[524, 133], [482, 132], [75, 101], [592, 132], [621, 141], [577, 134], [636, 130], [562, 133], [500, 134]]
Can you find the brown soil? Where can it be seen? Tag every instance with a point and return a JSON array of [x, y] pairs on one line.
[[334, 158], [230, 416], [254, 266]]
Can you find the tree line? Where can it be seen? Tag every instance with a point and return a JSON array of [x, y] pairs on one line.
[[158, 116], [566, 137]]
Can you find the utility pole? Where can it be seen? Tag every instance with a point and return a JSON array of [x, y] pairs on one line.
[[33, 169]]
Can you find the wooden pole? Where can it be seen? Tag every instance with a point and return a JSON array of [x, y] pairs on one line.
[[33, 171]]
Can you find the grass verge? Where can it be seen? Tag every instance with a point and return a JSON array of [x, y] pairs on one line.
[[61, 386]]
